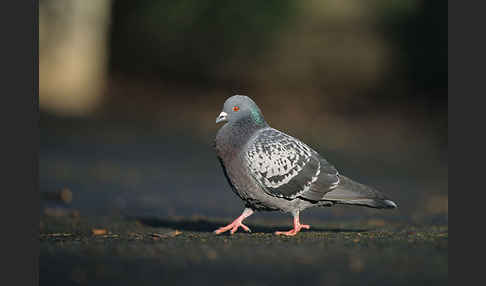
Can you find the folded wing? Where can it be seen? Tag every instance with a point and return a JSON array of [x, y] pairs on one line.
[[287, 168]]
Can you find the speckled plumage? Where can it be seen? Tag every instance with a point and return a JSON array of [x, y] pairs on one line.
[[271, 170]]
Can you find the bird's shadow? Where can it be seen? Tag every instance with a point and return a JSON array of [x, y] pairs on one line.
[[203, 225]]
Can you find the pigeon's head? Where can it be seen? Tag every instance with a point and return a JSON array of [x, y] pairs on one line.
[[240, 107]]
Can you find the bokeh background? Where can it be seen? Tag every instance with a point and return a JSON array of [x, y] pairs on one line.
[[129, 92]]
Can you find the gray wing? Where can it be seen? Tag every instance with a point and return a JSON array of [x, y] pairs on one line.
[[287, 168]]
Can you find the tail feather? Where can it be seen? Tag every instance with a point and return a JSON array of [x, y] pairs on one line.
[[353, 193]]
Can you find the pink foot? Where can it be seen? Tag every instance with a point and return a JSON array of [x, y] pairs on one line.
[[233, 226], [237, 223], [297, 228]]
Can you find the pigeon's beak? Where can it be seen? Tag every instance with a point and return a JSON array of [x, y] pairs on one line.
[[222, 117]]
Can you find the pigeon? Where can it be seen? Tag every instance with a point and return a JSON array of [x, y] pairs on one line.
[[273, 171]]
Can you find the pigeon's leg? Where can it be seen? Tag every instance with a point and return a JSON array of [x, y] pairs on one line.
[[297, 226], [236, 223]]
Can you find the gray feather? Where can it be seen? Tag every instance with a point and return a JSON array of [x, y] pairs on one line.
[[353, 193]]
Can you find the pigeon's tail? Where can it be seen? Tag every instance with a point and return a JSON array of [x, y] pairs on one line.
[[350, 192]]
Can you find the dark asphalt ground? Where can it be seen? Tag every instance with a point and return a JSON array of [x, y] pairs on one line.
[[143, 252]]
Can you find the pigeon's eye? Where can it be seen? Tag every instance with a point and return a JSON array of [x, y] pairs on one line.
[[236, 108]]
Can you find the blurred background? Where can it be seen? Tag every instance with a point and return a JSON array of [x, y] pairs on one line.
[[129, 92]]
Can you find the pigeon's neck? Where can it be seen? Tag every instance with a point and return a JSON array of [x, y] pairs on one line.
[[247, 126], [234, 135]]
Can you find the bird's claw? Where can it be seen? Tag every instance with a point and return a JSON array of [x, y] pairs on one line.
[[293, 231], [233, 226]]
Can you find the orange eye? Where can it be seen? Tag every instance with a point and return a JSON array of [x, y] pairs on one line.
[[236, 108]]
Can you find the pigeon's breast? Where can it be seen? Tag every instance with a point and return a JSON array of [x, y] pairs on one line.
[[247, 188], [225, 148]]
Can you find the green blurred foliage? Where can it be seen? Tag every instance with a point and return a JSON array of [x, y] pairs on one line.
[[418, 32], [189, 38]]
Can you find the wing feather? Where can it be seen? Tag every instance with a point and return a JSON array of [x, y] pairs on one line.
[[287, 168]]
